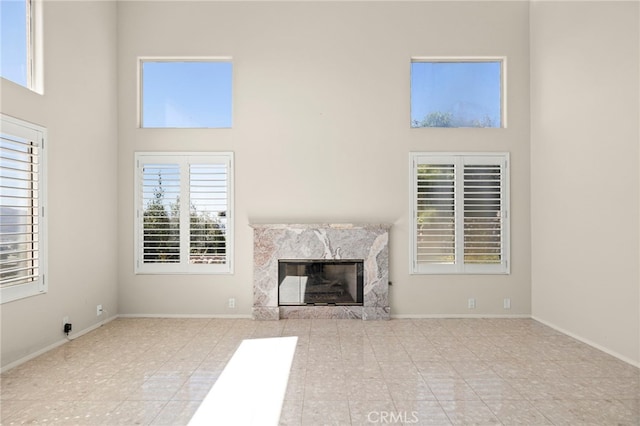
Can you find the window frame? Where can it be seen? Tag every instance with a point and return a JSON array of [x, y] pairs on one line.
[[184, 159], [460, 159], [34, 49], [140, 80], [38, 136], [468, 59]]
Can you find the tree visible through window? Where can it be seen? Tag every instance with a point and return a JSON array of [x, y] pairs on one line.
[[456, 93], [161, 216], [184, 220]]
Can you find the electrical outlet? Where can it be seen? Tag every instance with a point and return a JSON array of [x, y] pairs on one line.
[[232, 303], [507, 303], [98, 310], [472, 303], [66, 325]]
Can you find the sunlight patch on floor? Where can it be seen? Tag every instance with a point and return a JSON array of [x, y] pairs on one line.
[[251, 388]]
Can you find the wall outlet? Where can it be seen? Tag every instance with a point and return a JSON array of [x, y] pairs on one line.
[[98, 310], [66, 325], [472, 303], [507, 303], [232, 302]]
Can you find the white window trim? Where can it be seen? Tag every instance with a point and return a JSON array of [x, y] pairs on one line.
[[34, 43], [38, 134], [142, 59], [503, 77], [185, 267], [503, 268], [36, 67]]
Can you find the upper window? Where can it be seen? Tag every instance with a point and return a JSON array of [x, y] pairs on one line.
[[19, 42], [183, 212], [22, 197], [457, 92], [185, 93], [460, 220]]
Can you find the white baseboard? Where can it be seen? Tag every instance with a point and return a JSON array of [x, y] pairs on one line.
[[61, 342], [459, 316], [588, 342], [193, 316]]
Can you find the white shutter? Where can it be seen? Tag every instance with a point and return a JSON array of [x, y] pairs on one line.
[[160, 213], [208, 213], [435, 214], [482, 214], [460, 213], [22, 221], [19, 206], [183, 218]]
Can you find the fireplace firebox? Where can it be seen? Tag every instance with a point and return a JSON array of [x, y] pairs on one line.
[[320, 282]]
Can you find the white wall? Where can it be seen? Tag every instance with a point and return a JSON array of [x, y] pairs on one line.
[[79, 110], [585, 162], [321, 110]]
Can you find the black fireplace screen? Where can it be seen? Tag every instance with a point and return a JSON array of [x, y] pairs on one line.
[[320, 282]]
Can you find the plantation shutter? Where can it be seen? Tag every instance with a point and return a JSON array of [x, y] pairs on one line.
[[482, 214], [161, 213], [208, 215], [183, 213], [460, 213], [21, 211], [435, 243]]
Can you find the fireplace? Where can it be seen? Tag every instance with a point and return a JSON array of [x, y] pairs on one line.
[[320, 282], [287, 258]]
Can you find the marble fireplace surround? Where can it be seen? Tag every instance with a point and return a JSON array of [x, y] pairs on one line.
[[369, 242]]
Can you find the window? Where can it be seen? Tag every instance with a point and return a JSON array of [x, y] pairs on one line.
[[22, 200], [460, 220], [184, 222], [457, 92], [20, 44], [185, 93]]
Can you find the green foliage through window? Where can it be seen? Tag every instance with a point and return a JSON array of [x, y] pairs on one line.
[[456, 93], [184, 214]]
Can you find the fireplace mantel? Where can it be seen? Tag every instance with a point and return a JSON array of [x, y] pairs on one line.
[[385, 226], [366, 241]]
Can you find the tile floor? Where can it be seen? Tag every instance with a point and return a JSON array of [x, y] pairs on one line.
[[411, 372]]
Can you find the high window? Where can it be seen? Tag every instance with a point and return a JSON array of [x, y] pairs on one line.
[[185, 93], [20, 42], [457, 92], [460, 221], [22, 207], [184, 222]]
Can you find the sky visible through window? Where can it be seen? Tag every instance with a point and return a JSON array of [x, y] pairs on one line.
[[13, 41], [189, 94], [198, 94], [456, 94]]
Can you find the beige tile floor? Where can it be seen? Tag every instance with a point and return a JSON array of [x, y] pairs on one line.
[[411, 372]]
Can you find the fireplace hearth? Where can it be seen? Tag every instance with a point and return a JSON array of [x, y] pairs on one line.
[[307, 270]]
